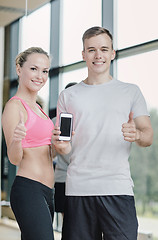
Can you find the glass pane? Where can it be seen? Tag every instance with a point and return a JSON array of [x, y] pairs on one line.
[[36, 32], [77, 16], [72, 76], [143, 71], [136, 22]]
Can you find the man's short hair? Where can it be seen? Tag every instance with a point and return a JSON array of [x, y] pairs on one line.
[[94, 31]]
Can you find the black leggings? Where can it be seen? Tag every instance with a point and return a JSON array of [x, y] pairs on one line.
[[33, 206]]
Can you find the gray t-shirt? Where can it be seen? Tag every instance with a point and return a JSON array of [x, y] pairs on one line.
[[99, 160]]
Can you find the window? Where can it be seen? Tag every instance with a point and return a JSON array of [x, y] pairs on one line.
[[36, 32], [77, 16], [136, 22], [142, 70], [72, 76]]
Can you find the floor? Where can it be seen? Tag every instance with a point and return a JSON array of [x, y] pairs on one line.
[[10, 231]]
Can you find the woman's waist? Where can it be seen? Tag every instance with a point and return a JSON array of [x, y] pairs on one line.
[[42, 152], [38, 165], [26, 184], [39, 168], [45, 177]]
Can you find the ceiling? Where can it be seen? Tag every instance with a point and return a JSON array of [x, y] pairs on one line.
[[11, 10]]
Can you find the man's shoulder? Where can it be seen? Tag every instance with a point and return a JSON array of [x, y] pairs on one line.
[[77, 85], [127, 84], [71, 89]]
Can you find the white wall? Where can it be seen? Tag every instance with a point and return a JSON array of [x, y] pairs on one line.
[[1, 88]]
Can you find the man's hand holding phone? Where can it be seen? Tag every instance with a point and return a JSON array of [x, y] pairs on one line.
[[65, 122], [62, 135]]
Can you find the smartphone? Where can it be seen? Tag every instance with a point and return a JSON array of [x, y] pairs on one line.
[[65, 121]]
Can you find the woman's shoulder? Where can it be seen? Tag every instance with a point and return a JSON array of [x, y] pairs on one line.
[[12, 109], [12, 105]]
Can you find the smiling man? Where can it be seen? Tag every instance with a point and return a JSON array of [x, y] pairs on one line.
[[108, 116]]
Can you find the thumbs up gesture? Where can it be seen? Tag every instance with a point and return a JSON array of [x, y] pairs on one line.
[[129, 129], [20, 130]]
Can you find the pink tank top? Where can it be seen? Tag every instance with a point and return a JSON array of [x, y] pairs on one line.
[[38, 130]]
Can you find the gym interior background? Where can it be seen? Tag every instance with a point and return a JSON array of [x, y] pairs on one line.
[[57, 26]]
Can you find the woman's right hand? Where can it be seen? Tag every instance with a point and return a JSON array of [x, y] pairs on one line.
[[14, 130], [20, 130]]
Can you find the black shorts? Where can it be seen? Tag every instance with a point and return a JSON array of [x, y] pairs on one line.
[[100, 217], [59, 197]]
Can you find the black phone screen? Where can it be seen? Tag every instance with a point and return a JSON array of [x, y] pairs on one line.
[[65, 126]]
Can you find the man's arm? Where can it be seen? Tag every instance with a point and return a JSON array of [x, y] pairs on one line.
[[138, 130]]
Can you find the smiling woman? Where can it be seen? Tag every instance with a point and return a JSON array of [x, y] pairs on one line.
[[28, 132], [36, 68]]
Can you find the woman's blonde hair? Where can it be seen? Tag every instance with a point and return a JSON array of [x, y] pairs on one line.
[[22, 57]]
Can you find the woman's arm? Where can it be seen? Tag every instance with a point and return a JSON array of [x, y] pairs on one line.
[[14, 131]]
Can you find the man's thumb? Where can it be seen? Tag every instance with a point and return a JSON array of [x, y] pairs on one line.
[[130, 117]]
